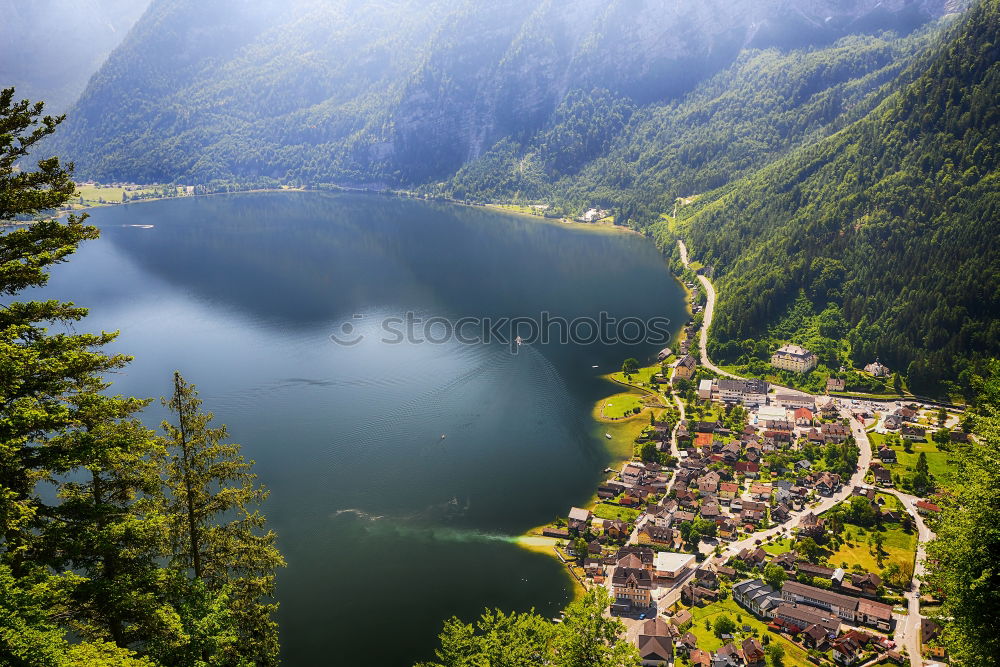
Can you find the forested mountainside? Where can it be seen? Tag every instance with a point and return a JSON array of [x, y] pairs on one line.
[[602, 148], [406, 92], [50, 48], [893, 222]]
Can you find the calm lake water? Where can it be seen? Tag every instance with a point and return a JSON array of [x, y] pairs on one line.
[[387, 528]]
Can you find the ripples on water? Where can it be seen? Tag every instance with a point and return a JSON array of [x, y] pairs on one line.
[[383, 523]]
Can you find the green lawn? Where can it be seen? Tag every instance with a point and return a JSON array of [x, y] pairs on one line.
[[707, 641], [898, 545], [642, 376], [93, 194], [621, 405], [700, 411], [779, 546], [606, 511], [942, 465], [890, 502]]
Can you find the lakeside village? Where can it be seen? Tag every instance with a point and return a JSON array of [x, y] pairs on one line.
[[755, 526]]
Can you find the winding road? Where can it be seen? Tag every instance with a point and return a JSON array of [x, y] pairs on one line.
[[907, 627], [707, 317]]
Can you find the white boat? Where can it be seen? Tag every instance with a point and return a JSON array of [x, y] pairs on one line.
[[518, 340], [607, 435]]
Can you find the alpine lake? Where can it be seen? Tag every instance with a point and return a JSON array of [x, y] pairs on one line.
[[402, 464]]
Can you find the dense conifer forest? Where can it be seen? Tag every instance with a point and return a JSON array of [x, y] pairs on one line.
[[889, 227]]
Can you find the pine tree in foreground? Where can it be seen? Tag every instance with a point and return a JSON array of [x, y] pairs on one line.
[[218, 536], [61, 564]]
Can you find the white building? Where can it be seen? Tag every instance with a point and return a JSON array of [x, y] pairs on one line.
[[705, 389], [747, 392], [794, 358], [771, 412], [670, 565], [877, 369], [794, 401]]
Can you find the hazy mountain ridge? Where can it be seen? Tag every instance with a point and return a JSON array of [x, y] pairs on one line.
[[50, 48], [400, 92]]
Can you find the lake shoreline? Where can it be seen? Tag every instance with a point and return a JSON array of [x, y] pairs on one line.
[[401, 194], [620, 448]]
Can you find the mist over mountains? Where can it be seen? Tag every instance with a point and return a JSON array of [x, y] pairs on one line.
[[50, 48], [407, 92]]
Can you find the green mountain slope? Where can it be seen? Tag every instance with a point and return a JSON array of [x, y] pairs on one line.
[[406, 92], [895, 220], [601, 148]]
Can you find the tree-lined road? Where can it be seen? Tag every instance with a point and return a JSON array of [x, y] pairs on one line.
[[706, 318], [908, 627]]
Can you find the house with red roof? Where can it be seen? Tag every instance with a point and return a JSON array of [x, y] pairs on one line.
[[803, 417], [924, 507]]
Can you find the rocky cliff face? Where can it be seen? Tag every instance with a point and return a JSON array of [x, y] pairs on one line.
[[525, 62], [407, 91]]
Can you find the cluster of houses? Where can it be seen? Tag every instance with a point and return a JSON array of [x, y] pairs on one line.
[[717, 475], [728, 495], [715, 482], [816, 615], [825, 620], [661, 640], [904, 419]]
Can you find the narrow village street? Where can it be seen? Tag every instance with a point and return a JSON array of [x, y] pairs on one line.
[[908, 626]]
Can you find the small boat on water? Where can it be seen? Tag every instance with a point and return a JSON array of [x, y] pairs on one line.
[[519, 340], [594, 366], [607, 435], [443, 436]]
